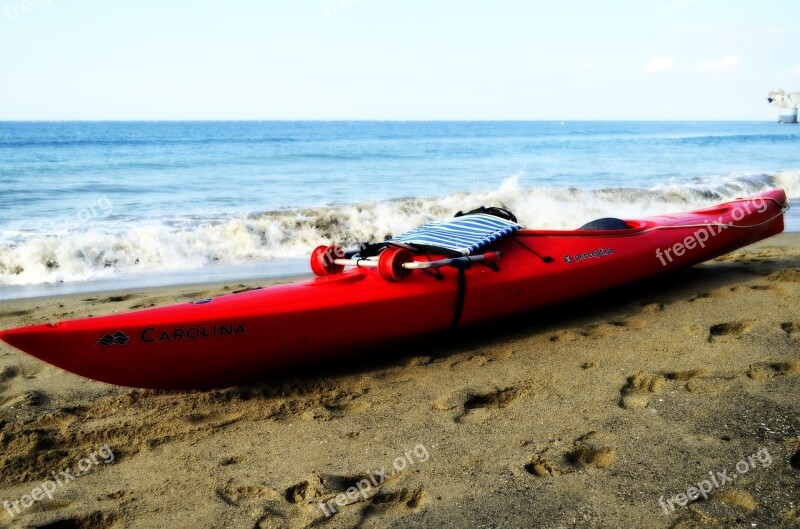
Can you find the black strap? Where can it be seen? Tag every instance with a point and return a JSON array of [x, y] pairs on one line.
[[462, 291], [544, 258]]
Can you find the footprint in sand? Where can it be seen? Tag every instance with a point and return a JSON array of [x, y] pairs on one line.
[[396, 502], [478, 404], [95, 520], [30, 398], [722, 506], [541, 467], [592, 450], [142, 306], [722, 331], [598, 330], [469, 360], [601, 330], [652, 308], [706, 297], [741, 289], [790, 275], [53, 505], [635, 394], [315, 500], [692, 377], [766, 370], [467, 401], [6, 376], [499, 398], [15, 313], [8, 373], [565, 336], [794, 461], [276, 511], [118, 495], [761, 287], [245, 289], [194, 295], [700, 372], [792, 328], [228, 461], [632, 323], [215, 421], [118, 298], [238, 495]]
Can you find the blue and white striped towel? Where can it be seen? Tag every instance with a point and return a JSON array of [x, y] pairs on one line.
[[463, 235]]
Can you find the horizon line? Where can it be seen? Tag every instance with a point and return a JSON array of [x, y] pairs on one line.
[[200, 120]]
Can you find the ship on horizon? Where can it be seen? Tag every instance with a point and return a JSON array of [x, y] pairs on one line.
[[787, 102]]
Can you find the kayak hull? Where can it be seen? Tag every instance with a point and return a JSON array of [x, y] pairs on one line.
[[251, 335]]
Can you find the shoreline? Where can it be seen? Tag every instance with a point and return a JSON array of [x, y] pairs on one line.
[[169, 289], [219, 287], [610, 410]]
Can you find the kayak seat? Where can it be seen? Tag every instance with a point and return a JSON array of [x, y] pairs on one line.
[[607, 223], [462, 235]]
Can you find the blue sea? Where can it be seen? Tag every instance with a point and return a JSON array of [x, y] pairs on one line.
[[96, 205]]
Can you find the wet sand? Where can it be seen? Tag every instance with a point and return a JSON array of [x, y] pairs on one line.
[[611, 411]]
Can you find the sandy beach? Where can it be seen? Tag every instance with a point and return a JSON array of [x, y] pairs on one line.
[[670, 403]]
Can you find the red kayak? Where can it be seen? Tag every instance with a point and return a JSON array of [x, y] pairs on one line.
[[409, 287]]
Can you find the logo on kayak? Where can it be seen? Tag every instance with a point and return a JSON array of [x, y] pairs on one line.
[[118, 338], [595, 254], [154, 334]]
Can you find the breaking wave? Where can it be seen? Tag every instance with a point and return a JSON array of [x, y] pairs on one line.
[[108, 248]]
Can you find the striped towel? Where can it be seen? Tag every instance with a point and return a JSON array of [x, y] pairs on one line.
[[462, 235]]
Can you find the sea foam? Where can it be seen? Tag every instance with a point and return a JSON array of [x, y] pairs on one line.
[[111, 248]]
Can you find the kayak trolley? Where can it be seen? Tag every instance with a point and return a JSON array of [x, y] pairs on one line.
[[461, 236], [393, 264]]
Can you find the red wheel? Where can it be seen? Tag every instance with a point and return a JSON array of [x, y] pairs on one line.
[[322, 260], [390, 263]]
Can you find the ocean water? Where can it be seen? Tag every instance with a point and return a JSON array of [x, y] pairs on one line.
[[90, 205]]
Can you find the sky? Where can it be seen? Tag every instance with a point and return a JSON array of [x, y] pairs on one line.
[[396, 60]]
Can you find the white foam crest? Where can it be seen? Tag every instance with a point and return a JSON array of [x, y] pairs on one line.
[[790, 181], [185, 244]]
